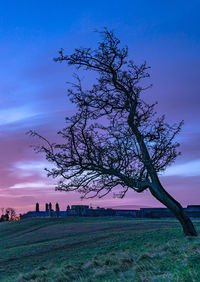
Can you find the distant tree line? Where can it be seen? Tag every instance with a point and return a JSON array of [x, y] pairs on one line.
[[9, 214]]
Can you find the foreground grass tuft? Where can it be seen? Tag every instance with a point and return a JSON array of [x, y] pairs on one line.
[[177, 263]]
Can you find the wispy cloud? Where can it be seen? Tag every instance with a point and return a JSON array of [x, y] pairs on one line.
[[32, 185], [30, 168], [16, 114], [191, 168]]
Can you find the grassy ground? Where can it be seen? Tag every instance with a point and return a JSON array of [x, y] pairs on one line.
[[97, 249]]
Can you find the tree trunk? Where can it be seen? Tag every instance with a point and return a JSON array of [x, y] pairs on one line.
[[165, 198], [157, 189]]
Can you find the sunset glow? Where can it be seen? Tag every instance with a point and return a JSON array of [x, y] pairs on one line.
[[33, 88]]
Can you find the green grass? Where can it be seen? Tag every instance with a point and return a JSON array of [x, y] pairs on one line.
[[97, 249]]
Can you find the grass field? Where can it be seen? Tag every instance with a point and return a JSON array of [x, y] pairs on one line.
[[97, 249]]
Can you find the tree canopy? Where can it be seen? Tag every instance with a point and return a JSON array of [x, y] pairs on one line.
[[116, 138]]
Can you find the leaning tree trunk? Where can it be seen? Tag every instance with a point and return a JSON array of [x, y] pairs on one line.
[[164, 197], [157, 189]]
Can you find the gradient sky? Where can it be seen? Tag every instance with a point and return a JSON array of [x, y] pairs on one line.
[[33, 88]]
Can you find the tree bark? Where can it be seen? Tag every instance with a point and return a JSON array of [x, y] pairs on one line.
[[165, 198]]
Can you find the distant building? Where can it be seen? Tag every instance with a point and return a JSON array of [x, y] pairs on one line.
[[42, 214], [127, 213], [193, 211], [57, 210], [37, 207], [81, 210], [46, 207], [155, 212], [84, 210]]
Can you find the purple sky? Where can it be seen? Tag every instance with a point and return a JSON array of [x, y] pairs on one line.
[[33, 90]]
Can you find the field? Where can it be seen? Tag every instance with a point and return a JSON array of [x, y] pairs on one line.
[[97, 249]]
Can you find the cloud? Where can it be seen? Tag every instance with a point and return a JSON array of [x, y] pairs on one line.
[[29, 168], [191, 168], [35, 185], [33, 94], [16, 114]]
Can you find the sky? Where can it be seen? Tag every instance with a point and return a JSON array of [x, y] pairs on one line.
[[33, 89]]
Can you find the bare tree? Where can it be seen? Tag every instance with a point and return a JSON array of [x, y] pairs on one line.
[[115, 139], [11, 213]]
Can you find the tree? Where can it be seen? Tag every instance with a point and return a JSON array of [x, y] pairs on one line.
[[115, 139], [11, 213]]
